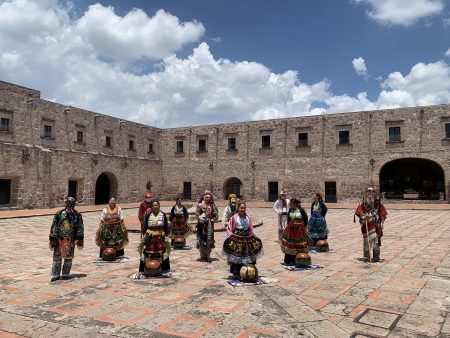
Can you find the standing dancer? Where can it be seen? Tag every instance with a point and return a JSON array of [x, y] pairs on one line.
[[206, 214], [281, 207]]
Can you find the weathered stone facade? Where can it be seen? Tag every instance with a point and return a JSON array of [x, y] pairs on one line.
[[42, 150]]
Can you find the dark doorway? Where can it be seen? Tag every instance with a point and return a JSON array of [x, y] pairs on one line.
[[5, 192], [330, 192], [232, 186], [273, 191], [73, 189], [105, 188], [187, 190], [414, 177]]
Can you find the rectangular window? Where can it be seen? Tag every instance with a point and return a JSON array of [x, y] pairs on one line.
[[187, 190], [73, 189], [201, 145], [394, 134], [4, 124], [150, 147], [265, 141], [5, 192], [130, 145], [344, 137], [273, 191], [47, 131], [231, 143], [447, 130], [303, 139], [180, 147], [79, 136], [108, 141]]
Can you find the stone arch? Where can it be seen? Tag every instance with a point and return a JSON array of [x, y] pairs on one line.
[[232, 185], [418, 178], [105, 187]]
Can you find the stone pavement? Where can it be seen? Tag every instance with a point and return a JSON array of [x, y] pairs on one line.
[[406, 295]]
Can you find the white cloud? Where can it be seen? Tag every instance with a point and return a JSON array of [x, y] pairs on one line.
[[447, 52], [135, 35], [359, 65], [402, 12], [53, 57]]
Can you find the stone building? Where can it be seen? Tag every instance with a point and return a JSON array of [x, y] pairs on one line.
[[48, 150]]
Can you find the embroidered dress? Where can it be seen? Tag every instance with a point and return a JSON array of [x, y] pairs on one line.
[[206, 215], [295, 235], [154, 246], [317, 226], [178, 222], [112, 232], [241, 246]]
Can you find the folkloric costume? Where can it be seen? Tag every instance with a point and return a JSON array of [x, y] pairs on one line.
[[241, 246], [180, 227], [229, 210], [144, 208], [371, 214], [295, 235], [153, 246], [281, 207], [206, 214], [111, 232], [317, 226], [67, 230]]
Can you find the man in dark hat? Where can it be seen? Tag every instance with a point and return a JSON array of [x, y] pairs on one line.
[[67, 230], [144, 208]]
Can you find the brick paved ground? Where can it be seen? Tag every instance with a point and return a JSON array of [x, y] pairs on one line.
[[406, 295]]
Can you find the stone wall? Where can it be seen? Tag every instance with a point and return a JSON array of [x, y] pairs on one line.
[[40, 166]]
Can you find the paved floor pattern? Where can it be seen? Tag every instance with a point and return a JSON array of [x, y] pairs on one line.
[[405, 295]]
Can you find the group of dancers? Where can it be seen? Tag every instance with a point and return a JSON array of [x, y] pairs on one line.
[[241, 246]]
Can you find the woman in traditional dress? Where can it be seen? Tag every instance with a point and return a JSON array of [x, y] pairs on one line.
[[317, 226], [179, 224], [294, 238], [241, 245], [154, 246], [112, 232]]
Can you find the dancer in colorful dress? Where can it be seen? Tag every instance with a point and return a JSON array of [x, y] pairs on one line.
[[281, 207], [229, 210], [317, 225], [241, 245], [372, 214], [295, 235], [144, 208], [112, 232], [67, 230], [206, 214], [154, 249], [179, 225]]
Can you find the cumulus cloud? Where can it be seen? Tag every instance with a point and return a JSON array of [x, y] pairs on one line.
[[359, 65], [61, 57], [402, 12], [447, 52]]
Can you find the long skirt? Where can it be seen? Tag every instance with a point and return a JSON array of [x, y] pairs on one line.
[[242, 247], [317, 227], [294, 238]]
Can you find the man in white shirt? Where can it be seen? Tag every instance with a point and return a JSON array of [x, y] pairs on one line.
[[281, 207]]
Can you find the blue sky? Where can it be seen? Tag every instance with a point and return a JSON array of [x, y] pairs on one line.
[[179, 63]]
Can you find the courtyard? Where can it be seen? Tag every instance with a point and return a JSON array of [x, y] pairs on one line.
[[407, 294]]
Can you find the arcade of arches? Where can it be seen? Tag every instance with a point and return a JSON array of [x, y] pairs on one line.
[[412, 178]]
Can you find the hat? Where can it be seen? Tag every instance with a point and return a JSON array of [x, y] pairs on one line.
[[283, 192], [148, 197], [232, 196]]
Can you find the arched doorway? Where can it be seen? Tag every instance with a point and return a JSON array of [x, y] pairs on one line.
[[232, 186], [416, 177], [105, 188]]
